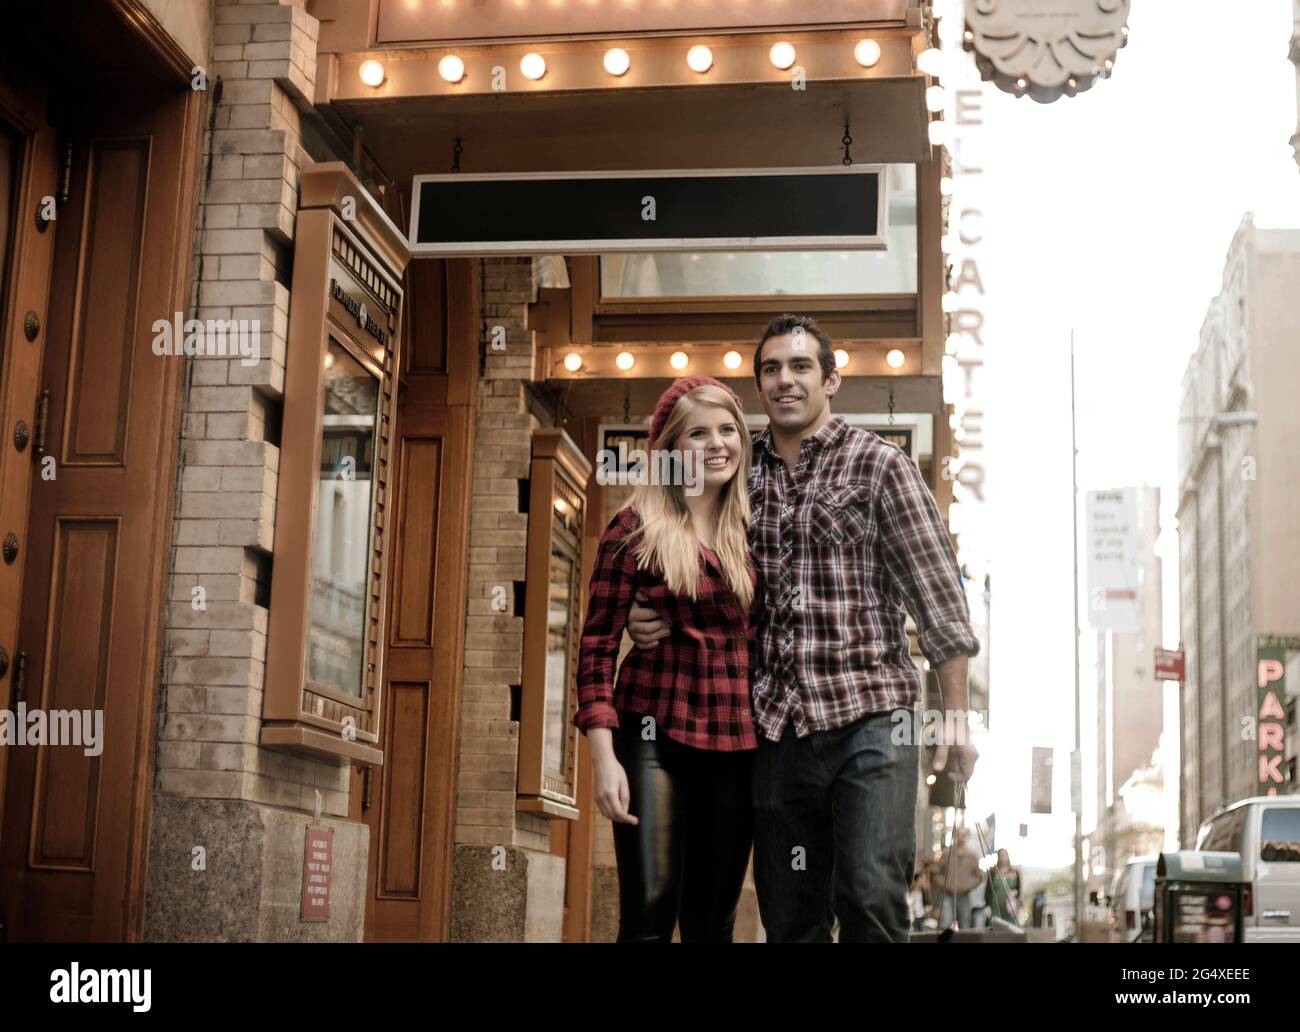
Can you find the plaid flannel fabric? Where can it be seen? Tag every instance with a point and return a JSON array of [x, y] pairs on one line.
[[844, 541], [695, 683]]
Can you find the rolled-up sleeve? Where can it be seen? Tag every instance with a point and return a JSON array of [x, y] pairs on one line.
[[919, 556], [613, 583]]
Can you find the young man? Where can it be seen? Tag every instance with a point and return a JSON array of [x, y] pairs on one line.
[[846, 533]]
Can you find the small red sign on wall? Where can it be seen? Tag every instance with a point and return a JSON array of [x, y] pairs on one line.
[[1169, 665], [317, 865]]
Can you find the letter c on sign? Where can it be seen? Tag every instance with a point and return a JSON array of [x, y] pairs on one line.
[[966, 238]]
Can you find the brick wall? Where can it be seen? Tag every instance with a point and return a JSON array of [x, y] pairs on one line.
[[264, 54], [489, 739]]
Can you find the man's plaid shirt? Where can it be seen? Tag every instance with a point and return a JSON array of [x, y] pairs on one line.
[[843, 542]]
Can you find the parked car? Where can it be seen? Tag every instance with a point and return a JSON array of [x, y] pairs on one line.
[[1265, 831], [1133, 895]]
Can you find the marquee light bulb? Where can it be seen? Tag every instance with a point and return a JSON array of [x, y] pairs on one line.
[[867, 52], [699, 59], [935, 98], [841, 358], [895, 359], [626, 360], [573, 361], [617, 61], [782, 55], [732, 360], [930, 62], [371, 72], [533, 65], [679, 360], [451, 68]]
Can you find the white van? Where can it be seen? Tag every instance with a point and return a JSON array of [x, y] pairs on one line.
[[1133, 894], [1265, 830]]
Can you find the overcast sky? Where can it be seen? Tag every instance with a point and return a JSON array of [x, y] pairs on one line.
[[1109, 213]]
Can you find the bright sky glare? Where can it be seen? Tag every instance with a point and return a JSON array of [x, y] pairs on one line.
[[1109, 213]]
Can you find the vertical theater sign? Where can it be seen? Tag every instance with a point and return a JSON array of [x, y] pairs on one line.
[[1271, 654]]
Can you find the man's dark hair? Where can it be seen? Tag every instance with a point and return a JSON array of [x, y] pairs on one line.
[[783, 324]]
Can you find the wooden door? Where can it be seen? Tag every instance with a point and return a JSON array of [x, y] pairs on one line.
[[410, 802], [75, 826]]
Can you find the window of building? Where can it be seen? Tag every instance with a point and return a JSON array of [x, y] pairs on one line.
[[341, 537], [777, 273], [548, 739]]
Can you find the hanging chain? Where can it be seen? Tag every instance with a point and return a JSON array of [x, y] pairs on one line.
[[891, 405], [627, 404], [456, 152], [847, 140], [958, 832]]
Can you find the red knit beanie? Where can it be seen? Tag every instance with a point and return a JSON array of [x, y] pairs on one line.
[[678, 390]]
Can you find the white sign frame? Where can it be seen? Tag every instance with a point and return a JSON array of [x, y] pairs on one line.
[[851, 242]]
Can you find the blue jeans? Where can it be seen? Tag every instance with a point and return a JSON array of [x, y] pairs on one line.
[[835, 833], [965, 910]]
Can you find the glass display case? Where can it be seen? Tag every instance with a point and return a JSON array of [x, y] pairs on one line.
[[548, 741]]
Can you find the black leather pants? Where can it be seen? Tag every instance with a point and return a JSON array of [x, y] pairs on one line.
[[686, 859]]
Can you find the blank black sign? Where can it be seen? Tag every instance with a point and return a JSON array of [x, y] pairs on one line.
[[833, 209]]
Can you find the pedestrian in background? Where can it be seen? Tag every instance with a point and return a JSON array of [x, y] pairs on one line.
[[962, 876], [1004, 889], [916, 900]]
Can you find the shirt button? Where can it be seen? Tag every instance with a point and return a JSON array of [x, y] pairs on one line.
[[744, 713]]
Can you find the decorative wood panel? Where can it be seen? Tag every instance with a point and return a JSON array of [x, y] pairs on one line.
[[83, 576], [426, 292], [415, 568], [406, 761], [106, 298]]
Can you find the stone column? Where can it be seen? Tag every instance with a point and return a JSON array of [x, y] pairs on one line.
[[507, 886], [230, 817]]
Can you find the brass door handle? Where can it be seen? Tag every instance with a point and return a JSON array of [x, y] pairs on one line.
[[42, 423]]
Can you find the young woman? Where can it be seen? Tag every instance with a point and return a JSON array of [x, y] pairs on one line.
[[671, 741]]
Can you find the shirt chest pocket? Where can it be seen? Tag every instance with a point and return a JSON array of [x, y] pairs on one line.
[[841, 517]]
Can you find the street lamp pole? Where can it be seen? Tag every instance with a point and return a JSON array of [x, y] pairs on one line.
[[1076, 757]]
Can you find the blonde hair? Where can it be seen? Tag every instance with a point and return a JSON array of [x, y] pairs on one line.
[[665, 542]]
